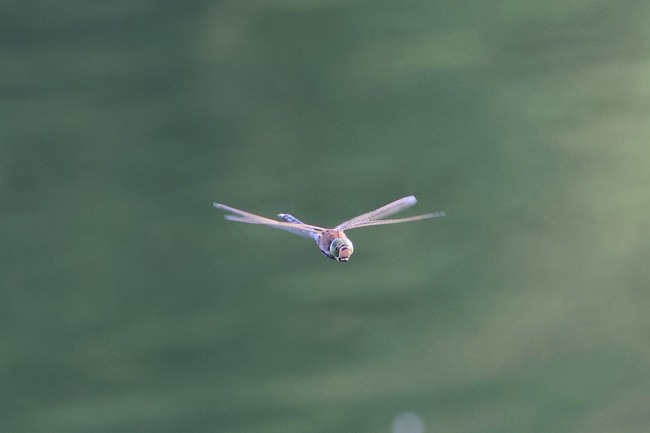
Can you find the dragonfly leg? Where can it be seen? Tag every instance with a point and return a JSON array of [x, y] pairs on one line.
[[328, 255]]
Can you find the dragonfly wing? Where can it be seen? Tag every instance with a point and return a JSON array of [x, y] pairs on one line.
[[395, 221], [304, 230], [384, 211]]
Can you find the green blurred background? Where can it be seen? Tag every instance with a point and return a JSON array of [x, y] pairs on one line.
[[128, 304]]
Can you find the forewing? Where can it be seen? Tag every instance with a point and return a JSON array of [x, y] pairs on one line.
[[394, 221], [304, 230], [384, 211]]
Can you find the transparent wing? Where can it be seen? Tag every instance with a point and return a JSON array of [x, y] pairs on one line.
[[395, 221], [384, 211], [304, 230]]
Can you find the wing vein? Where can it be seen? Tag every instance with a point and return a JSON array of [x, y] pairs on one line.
[[384, 211], [304, 230]]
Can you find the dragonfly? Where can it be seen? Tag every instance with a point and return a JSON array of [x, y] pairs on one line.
[[334, 243]]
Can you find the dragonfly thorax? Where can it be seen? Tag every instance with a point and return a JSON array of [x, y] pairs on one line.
[[335, 245]]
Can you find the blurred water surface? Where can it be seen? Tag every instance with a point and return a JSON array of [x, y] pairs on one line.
[[127, 303]]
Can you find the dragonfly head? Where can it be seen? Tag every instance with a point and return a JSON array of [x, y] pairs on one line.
[[341, 249]]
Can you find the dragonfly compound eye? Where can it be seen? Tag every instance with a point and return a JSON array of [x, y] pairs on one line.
[[340, 244]]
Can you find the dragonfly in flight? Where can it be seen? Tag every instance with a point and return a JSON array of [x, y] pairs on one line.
[[332, 242]]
